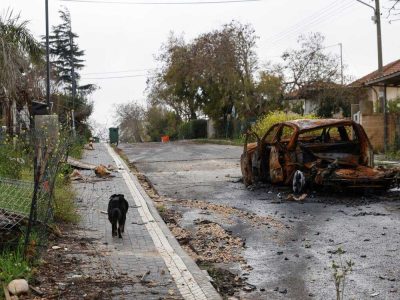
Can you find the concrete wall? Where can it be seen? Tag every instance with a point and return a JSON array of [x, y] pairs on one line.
[[373, 126], [210, 129]]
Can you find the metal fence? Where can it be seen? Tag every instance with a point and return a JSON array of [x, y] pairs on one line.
[[27, 206]]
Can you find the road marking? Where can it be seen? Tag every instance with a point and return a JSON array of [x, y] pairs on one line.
[[184, 280]]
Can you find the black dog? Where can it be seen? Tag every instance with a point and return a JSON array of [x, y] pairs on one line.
[[117, 209]]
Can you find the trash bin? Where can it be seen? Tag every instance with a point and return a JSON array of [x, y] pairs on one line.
[[114, 137], [96, 139]]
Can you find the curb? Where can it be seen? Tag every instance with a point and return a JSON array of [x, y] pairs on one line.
[[201, 278]]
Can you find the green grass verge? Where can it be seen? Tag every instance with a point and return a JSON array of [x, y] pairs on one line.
[[64, 203], [235, 142], [14, 265], [392, 155]]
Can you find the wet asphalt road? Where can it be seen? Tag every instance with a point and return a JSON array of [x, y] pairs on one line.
[[292, 261]]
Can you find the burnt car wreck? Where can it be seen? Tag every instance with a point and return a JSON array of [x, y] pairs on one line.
[[320, 152]]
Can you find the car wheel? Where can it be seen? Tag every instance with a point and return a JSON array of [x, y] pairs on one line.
[[299, 182]]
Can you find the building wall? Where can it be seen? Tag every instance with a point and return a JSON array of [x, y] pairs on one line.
[[373, 126], [392, 93]]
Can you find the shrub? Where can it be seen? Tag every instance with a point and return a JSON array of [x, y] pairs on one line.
[[266, 121], [159, 122], [13, 157], [76, 149], [193, 129], [393, 106]]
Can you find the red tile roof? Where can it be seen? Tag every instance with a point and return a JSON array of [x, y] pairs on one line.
[[389, 69]]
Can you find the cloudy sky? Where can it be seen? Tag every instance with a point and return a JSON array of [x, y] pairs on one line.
[[121, 39]]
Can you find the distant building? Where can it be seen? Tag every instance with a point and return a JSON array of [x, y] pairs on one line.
[[368, 112]]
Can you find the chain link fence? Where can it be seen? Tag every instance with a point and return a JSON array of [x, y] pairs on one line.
[[29, 165]]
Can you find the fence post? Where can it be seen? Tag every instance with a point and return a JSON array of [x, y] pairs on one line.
[[33, 213]]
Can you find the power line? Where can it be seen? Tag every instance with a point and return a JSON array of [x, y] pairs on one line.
[[114, 77], [121, 71], [161, 3], [321, 16], [306, 19]]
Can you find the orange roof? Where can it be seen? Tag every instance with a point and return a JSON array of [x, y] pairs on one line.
[[389, 69]]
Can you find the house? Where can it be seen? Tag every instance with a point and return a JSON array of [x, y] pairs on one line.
[[322, 98], [377, 84], [382, 90]]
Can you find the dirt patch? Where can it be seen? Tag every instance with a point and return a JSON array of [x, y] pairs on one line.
[[71, 268], [74, 266], [209, 244], [227, 212], [225, 282]]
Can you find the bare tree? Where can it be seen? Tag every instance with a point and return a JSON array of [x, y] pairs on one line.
[[394, 10], [130, 118], [309, 64]]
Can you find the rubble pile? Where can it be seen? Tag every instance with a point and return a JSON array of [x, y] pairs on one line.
[[212, 243]]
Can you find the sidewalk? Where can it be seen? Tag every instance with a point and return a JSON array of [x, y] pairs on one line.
[[147, 246]]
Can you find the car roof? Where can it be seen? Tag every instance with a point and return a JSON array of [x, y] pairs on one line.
[[309, 124]]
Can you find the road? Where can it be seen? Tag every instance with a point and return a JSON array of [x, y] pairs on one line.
[[291, 256]]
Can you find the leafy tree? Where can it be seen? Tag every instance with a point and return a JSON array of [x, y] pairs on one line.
[[160, 121], [213, 75], [269, 91], [226, 65], [173, 85]]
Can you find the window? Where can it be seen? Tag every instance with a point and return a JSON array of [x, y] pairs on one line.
[[271, 134]]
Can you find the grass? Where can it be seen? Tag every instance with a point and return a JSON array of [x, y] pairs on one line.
[[235, 142], [393, 155], [161, 209], [13, 263], [64, 202]]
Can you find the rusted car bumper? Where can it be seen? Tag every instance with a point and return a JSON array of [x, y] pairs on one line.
[[358, 177]]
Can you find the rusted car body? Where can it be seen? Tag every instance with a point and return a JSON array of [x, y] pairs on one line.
[[329, 152]]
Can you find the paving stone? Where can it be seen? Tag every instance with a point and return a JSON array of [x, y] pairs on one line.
[[135, 253]]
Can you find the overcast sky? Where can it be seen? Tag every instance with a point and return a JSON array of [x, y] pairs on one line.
[[122, 39]]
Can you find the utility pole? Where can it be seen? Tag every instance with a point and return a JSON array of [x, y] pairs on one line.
[[377, 20], [71, 43], [341, 62], [382, 91], [47, 57], [378, 34]]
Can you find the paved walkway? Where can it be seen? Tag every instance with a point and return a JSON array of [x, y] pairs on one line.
[[147, 246]]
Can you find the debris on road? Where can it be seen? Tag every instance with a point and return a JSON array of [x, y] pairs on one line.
[[101, 171], [18, 287], [76, 175], [292, 197], [228, 211], [79, 164]]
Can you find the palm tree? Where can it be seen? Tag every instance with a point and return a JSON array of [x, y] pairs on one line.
[[19, 52]]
